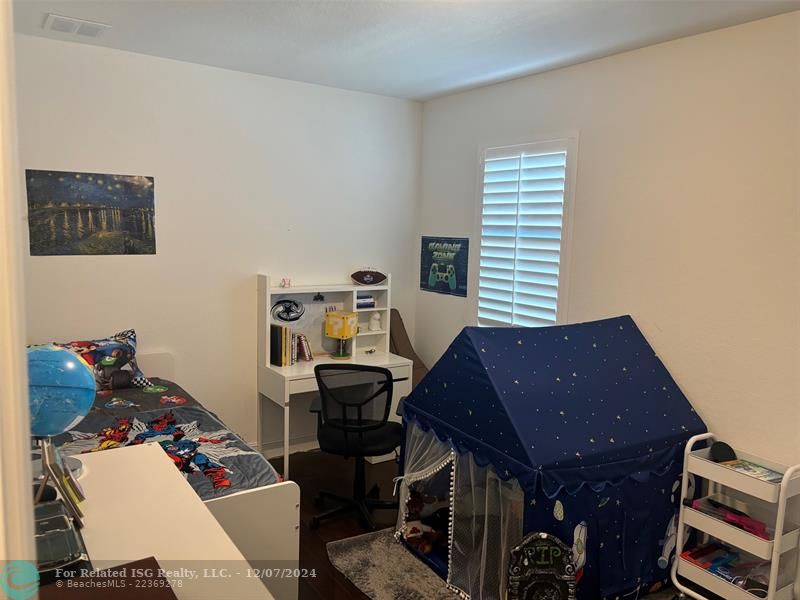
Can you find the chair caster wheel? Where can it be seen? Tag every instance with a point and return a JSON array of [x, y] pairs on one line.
[[314, 523]]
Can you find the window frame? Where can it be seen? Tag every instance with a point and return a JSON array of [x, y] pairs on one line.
[[564, 142]]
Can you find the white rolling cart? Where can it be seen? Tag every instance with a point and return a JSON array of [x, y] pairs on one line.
[[764, 500]]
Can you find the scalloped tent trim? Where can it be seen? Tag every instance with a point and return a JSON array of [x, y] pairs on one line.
[[551, 483]]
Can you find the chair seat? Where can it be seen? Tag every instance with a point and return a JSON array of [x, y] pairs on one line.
[[374, 442]]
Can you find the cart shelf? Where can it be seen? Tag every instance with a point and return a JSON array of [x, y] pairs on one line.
[[719, 586], [700, 464], [738, 537]]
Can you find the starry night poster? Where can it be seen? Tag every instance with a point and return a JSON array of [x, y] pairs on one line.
[[73, 213]]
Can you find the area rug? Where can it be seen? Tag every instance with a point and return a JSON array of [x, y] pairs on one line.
[[384, 570]]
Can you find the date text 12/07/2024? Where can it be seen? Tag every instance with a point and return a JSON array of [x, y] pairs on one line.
[[266, 573]]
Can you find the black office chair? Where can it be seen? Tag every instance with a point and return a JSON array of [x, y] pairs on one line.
[[353, 422]]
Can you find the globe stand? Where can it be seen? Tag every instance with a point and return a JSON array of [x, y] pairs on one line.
[[56, 470], [61, 391]]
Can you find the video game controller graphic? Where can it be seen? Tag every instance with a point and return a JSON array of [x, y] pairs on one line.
[[448, 275]]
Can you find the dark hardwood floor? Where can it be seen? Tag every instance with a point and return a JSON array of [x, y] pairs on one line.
[[316, 471]]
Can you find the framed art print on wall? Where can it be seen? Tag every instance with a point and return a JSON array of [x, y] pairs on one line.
[[73, 213], [444, 265]]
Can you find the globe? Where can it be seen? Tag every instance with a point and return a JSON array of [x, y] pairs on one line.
[[61, 390]]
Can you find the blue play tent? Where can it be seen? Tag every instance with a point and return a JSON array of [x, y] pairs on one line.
[[574, 430]]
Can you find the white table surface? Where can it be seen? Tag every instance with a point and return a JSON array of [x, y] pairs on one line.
[[303, 369], [138, 504]]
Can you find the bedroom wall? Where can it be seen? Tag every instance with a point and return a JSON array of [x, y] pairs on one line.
[[686, 210], [250, 173]]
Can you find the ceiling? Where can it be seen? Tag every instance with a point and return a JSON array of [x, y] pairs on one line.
[[408, 49]]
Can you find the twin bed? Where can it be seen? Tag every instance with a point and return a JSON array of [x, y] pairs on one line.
[[243, 491], [215, 460]]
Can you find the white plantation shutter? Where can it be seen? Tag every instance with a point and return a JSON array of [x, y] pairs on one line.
[[521, 227]]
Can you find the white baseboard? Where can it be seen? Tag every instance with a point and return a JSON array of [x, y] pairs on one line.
[[298, 444], [379, 459], [306, 443]]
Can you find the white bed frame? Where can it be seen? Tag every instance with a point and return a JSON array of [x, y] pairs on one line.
[[263, 522]]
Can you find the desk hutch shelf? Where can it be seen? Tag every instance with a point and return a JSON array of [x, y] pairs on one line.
[[344, 297]]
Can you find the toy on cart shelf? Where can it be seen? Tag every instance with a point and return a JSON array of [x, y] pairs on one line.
[[733, 516], [728, 564]]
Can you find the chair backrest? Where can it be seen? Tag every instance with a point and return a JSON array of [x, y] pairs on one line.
[[354, 398]]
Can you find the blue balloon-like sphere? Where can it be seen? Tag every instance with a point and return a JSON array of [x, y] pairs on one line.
[[61, 390]]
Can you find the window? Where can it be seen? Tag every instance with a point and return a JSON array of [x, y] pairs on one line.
[[522, 226]]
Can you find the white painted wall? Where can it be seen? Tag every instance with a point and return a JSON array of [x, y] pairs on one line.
[[252, 174], [686, 210]]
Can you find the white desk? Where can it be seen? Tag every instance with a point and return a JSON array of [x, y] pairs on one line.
[[138, 505], [280, 383]]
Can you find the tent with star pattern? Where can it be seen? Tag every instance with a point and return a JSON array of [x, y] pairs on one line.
[[574, 430]]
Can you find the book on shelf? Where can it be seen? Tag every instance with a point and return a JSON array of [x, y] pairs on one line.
[[753, 470], [274, 345], [287, 347], [365, 301], [303, 348], [280, 345]]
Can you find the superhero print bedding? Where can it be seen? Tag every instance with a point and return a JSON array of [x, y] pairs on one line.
[[215, 461]]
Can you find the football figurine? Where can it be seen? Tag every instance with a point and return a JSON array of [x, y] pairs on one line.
[[368, 277]]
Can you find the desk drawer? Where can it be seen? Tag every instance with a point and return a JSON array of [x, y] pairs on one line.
[[309, 384], [301, 386], [400, 373]]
